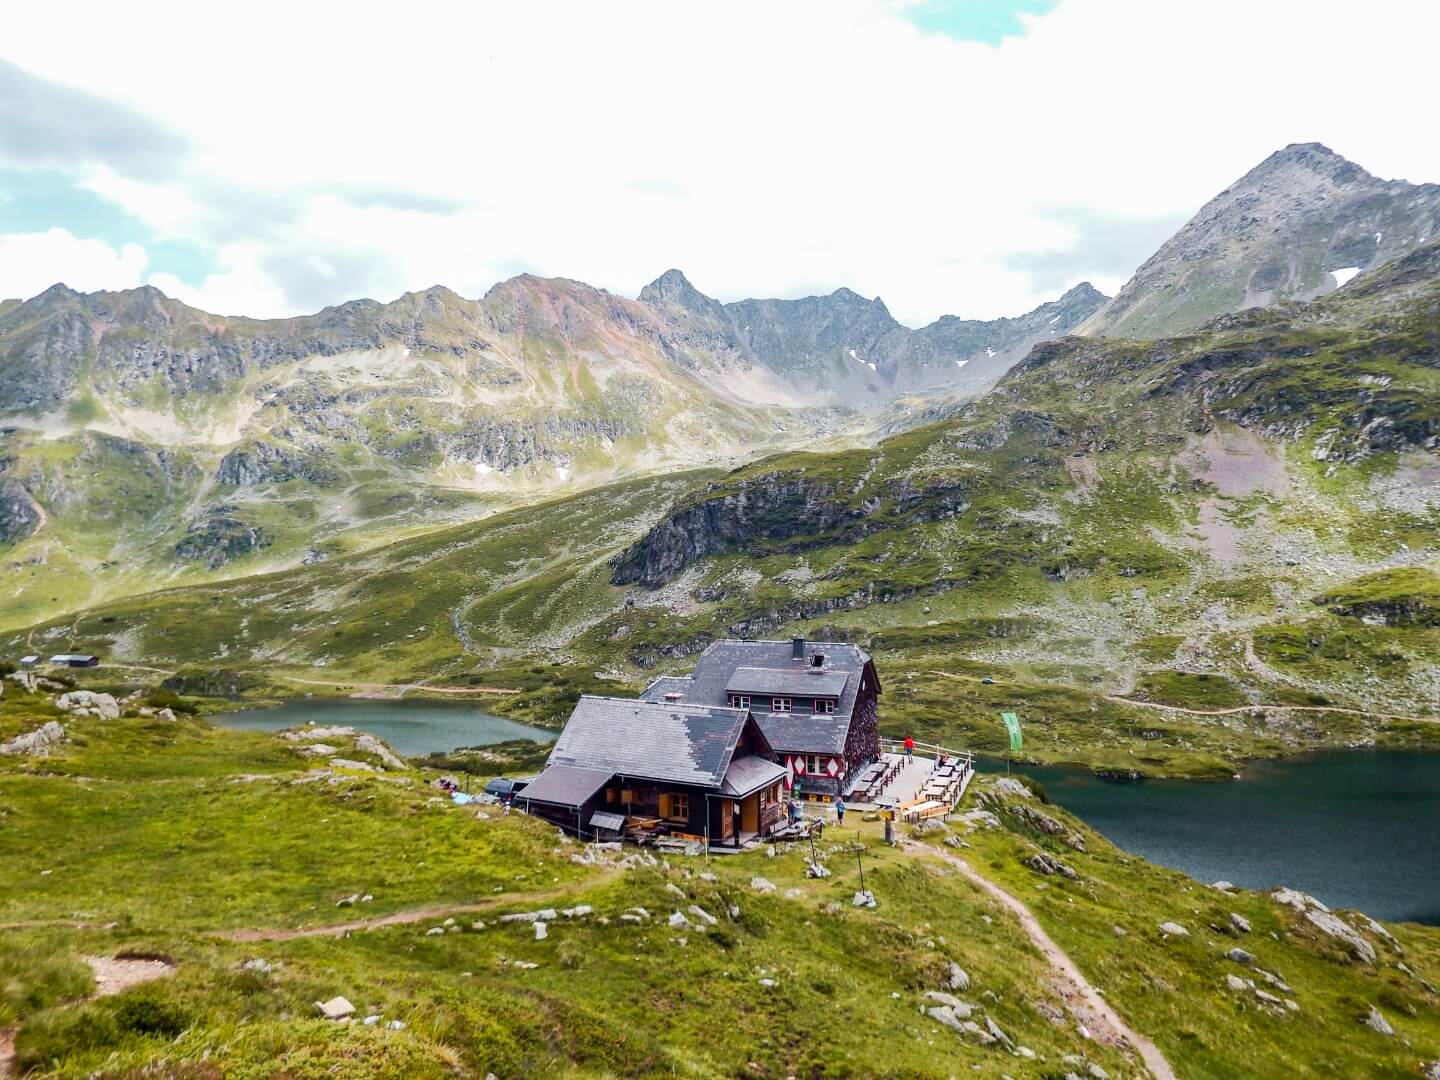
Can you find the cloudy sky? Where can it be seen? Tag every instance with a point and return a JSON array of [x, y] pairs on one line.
[[972, 157]]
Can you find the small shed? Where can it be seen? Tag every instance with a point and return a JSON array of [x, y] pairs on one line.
[[75, 660], [607, 826], [29, 661]]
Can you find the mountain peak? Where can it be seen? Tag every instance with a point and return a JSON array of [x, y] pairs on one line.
[[1313, 158], [672, 289]]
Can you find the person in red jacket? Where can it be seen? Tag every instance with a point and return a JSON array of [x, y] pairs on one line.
[[909, 746]]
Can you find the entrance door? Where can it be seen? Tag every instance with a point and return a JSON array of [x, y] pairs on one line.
[[727, 819], [750, 814]]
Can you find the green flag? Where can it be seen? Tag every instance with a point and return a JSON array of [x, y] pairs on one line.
[[1012, 725]]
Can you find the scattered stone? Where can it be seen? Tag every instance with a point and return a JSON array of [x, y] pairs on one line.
[[39, 741], [794, 893], [998, 1035], [677, 919], [1292, 1005], [865, 898], [1171, 929], [395, 1025], [956, 978], [1234, 982], [815, 870], [639, 912], [960, 1008], [88, 703], [708, 877], [1009, 786], [1119, 931], [1240, 956], [371, 1020], [1223, 886], [976, 819], [1432, 1071], [1042, 863], [346, 763], [1328, 923], [767, 983], [1376, 1021], [1296, 899], [1239, 922], [1267, 997], [578, 912], [434, 931], [542, 931], [761, 885], [369, 744], [627, 917], [944, 1014], [167, 714], [675, 890], [337, 1008], [1025, 1052], [1097, 1072], [703, 915], [770, 851], [259, 966]]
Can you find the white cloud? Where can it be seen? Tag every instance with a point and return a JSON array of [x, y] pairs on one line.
[[31, 262], [240, 287], [766, 149]]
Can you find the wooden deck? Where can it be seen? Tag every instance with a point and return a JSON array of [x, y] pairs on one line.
[[918, 786]]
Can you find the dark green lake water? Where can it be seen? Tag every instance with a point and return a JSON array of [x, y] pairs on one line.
[[1357, 829], [410, 727]]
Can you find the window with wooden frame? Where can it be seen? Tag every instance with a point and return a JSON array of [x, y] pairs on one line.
[[739, 701], [824, 705], [815, 766], [675, 806], [780, 704], [626, 796]]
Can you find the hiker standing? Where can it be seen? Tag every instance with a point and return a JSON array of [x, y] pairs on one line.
[[839, 810], [909, 746]]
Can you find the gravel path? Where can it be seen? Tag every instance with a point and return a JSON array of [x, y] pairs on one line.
[[1091, 1010]]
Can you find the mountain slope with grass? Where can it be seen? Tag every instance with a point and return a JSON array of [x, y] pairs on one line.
[[274, 883], [1302, 223], [143, 441], [1243, 519]]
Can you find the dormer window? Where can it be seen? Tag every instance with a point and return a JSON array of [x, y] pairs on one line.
[[780, 704], [817, 659], [739, 701], [824, 705]]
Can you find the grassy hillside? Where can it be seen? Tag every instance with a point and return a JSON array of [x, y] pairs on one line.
[[208, 849]]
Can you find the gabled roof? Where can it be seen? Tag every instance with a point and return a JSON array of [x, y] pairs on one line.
[[750, 773], [794, 682], [672, 742], [721, 659], [565, 785]]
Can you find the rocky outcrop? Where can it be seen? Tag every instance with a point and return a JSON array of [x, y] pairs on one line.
[[260, 462], [19, 516], [220, 537], [89, 703], [789, 511], [39, 741]]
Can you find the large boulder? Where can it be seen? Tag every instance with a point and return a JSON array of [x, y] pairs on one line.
[[88, 703]]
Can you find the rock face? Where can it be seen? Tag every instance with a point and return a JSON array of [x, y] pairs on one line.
[[221, 537], [19, 516], [777, 506], [1299, 224]]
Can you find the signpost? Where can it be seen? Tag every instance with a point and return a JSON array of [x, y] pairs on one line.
[[1012, 728]]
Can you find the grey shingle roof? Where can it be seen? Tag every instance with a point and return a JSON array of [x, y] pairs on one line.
[[805, 733], [750, 773], [717, 665], [796, 681], [679, 743], [565, 785]]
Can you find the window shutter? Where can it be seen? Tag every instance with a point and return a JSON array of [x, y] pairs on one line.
[[664, 804]]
